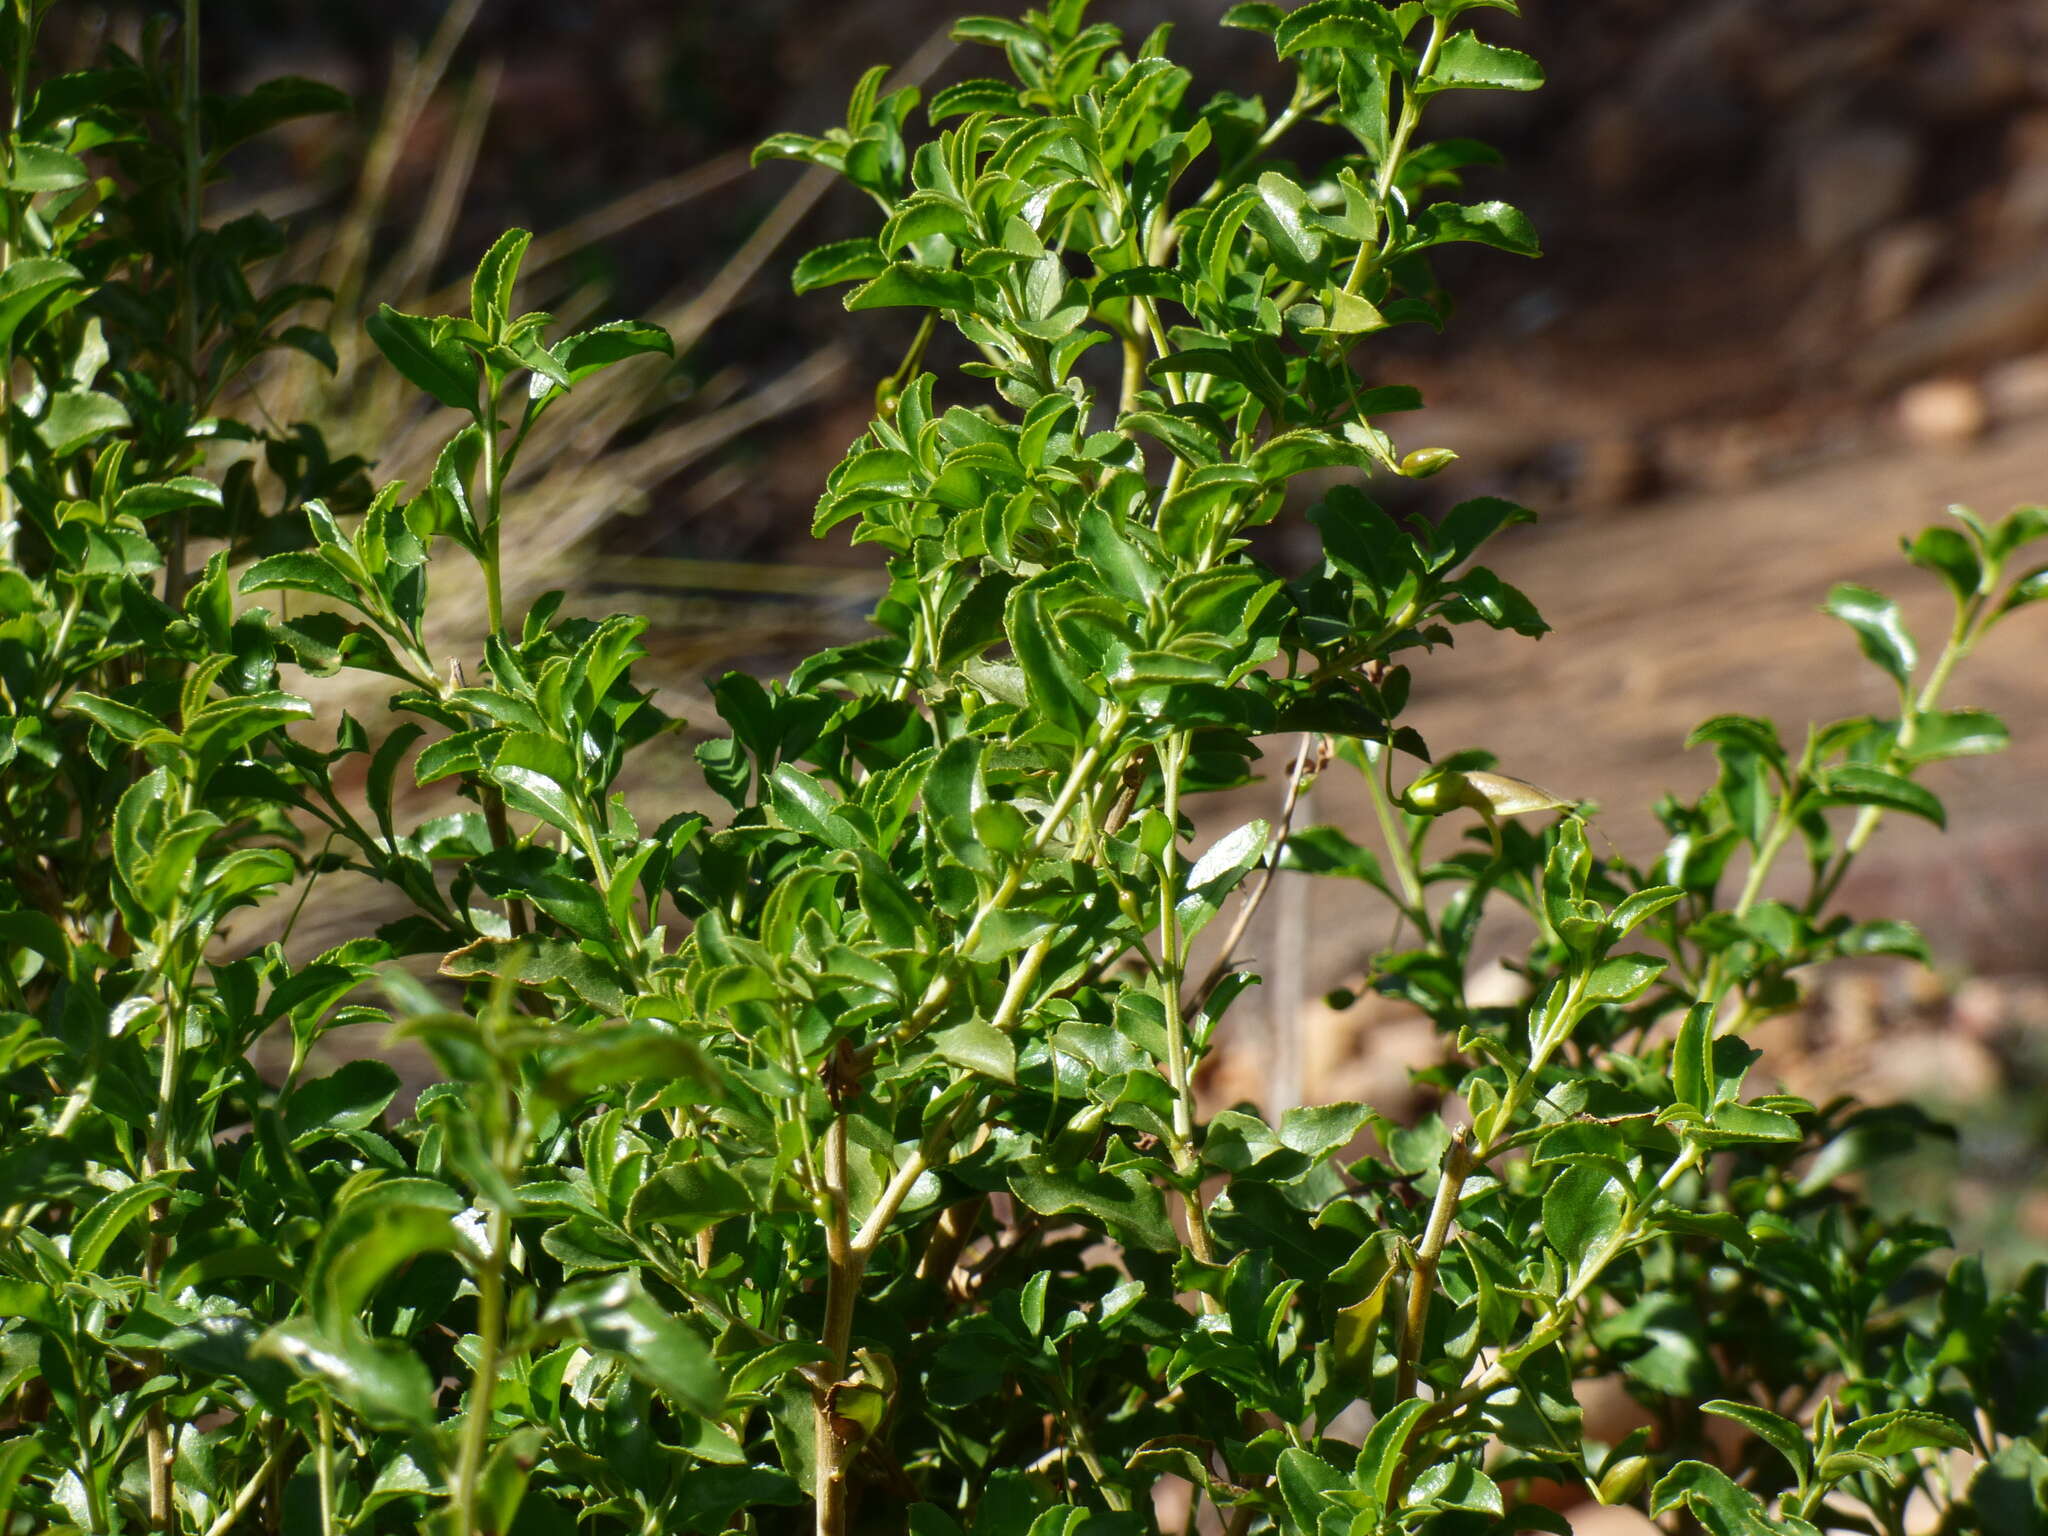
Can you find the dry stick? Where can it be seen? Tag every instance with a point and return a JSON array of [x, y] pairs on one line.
[[1249, 908], [951, 1234], [1284, 978]]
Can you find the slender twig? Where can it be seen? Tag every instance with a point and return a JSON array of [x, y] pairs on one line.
[[1457, 1166], [1397, 149], [845, 1269], [1083, 1441], [1961, 639], [246, 1494], [1262, 882], [490, 1327], [1179, 1064], [1548, 1328], [323, 1464]]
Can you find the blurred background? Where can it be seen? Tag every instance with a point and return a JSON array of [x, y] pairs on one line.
[[1794, 302]]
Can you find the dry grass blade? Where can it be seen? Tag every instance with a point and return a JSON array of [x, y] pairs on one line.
[[414, 81], [435, 224]]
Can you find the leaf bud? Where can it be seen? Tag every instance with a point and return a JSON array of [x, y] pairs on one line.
[[1424, 462]]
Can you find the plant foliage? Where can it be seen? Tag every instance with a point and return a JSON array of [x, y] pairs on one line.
[[834, 1161]]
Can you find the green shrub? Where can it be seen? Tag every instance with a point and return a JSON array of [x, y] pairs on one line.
[[836, 1161]]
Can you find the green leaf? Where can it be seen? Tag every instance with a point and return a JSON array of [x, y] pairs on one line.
[[843, 261], [1622, 978], [1217, 873], [1323, 1130], [236, 119], [689, 1196], [1470, 524], [1945, 733], [1254, 16], [614, 1315], [1128, 1203], [980, 1047], [124, 722], [180, 493], [1855, 785], [1339, 24], [99, 1225], [443, 367], [349, 1099], [1495, 224], [314, 344], [379, 1379], [490, 289], [76, 417], [39, 168], [1900, 1430], [1582, 1211], [953, 793], [1306, 1483], [538, 962], [1885, 938], [1692, 1078], [1057, 690], [799, 146], [1282, 215], [1004, 931], [599, 1060], [578, 357], [299, 571], [1773, 1429], [1384, 1451], [1950, 556], [909, 284], [1464, 62], [1737, 1125], [1456, 1485], [17, 1456], [1879, 628], [1328, 851], [1640, 907], [1722, 1507], [538, 777], [1060, 1520], [994, 96], [2009, 1494], [2030, 588], [24, 285], [997, 32], [378, 1230], [1745, 731], [1451, 9]]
